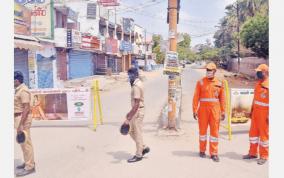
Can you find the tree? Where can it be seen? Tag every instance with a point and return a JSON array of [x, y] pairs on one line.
[[254, 35], [183, 47], [226, 36], [160, 56]]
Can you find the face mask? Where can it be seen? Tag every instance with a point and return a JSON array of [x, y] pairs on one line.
[[210, 74], [259, 75]]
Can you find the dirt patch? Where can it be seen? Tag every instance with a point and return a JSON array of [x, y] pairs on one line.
[[236, 80]]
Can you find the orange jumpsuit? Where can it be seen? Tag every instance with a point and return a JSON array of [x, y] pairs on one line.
[[258, 134], [209, 103]]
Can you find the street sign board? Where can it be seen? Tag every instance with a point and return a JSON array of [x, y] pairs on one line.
[[171, 64]]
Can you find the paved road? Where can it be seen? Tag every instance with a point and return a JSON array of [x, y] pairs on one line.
[[82, 153]]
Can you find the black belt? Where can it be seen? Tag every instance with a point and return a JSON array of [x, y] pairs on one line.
[[17, 114]]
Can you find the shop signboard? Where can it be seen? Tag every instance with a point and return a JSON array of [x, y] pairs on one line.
[[91, 10], [128, 26], [109, 2], [125, 46], [111, 46], [41, 17]]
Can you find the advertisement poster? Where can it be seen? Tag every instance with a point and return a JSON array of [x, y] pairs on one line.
[[241, 102], [41, 25], [61, 104], [171, 66], [22, 20]]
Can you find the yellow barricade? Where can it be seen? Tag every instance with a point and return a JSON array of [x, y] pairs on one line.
[[96, 101], [228, 126]]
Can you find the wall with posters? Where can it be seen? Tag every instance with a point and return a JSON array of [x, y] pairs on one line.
[[22, 20], [72, 104]]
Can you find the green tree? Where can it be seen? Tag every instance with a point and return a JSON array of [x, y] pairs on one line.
[[183, 47], [254, 35], [160, 56]]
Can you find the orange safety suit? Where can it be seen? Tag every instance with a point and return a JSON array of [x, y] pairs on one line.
[[258, 134], [209, 104]]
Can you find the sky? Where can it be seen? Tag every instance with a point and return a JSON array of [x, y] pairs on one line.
[[197, 17]]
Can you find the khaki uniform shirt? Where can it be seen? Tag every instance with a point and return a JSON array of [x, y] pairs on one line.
[[22, 96], [137, 92]]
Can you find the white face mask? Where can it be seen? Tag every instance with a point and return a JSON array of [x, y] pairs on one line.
[[210, 74]]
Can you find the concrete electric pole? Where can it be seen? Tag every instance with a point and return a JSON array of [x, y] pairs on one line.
[[172, 85]]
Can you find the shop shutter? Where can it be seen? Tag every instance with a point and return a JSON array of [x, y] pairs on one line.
[[80, 64], [45, 72], [21, 63]]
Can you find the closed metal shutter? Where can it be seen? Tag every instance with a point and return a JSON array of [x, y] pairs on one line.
[[21, 63], [45, 72], [80, 64]]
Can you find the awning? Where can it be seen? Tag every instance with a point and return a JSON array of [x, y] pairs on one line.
[[28, 45], [24, 37]]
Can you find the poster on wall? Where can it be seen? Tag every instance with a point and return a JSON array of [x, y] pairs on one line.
[[31, 65], [171, 65], [64, 104], [41, 17], [241, 102]]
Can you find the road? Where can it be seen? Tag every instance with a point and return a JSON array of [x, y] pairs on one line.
[[79, 152]]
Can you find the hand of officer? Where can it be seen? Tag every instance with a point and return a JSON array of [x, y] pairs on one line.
[[223, 116], [20, 128], [195, 116], [126, 122]]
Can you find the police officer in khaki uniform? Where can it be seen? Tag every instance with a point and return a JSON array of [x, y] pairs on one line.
[[135, 117], [22, 121]]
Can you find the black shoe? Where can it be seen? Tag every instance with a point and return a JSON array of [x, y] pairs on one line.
[[145, 151], [202, 154], [248, 156], [25, 172], [134, 159], [215, 158], [261, 161], [21, 166]]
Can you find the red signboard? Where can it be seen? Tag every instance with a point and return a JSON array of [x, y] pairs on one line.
[[109, 2], [111, 46], [90, 42]]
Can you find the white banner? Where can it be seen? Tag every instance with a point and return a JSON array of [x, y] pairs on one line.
[[61, 104]]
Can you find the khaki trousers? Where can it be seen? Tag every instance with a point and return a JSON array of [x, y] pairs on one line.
[[27, 147], [136, 126]]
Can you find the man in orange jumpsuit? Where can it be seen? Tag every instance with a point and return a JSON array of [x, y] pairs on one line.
[[209, 108], [258, 134]]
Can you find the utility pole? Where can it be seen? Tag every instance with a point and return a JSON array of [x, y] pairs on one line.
[[145, 46], [172, 85], [238, 30]]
